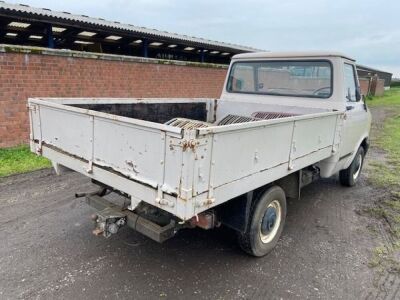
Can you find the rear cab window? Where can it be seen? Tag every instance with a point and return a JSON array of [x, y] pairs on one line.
[[285, 78]]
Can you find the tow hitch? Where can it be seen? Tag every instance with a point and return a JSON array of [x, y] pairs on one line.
[[110, 218], [108, 222]]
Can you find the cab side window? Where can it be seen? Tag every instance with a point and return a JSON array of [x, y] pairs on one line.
[[350, 82]]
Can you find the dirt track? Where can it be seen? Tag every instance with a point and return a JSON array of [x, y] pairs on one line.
[[47, 250]]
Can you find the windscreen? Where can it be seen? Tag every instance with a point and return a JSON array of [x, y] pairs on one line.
[[286, 78]]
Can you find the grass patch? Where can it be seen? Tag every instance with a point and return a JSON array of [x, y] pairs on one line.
[[388, 172], [382, 257], [382, 175], [19, 160], [379, 254], [384, 172], [388, 210], [390, 98]]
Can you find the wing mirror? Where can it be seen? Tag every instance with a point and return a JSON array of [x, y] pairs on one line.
[[358, 94]]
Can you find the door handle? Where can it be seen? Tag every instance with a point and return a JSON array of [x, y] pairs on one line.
[[349, 107]]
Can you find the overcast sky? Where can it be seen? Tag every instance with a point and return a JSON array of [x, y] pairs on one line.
[[368, 30]]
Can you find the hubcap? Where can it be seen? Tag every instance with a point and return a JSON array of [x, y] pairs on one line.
[[357, 166], [270, 222]]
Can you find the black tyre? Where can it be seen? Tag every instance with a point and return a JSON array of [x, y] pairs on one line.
[[266, 221], [350, 176]]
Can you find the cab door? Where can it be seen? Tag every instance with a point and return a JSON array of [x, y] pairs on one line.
[[356, 116]]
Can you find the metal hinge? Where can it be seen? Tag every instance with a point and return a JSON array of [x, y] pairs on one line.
[[162, 201], [189, 144], [32, 107], [206, 202]]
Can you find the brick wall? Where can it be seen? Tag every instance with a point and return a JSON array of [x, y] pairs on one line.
[[374, 85], [364, 85], [377, 86], [34, 72]]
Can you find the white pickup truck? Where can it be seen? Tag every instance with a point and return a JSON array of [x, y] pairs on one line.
[[283, 121]]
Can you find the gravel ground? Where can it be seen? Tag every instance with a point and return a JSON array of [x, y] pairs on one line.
[[47, 250]]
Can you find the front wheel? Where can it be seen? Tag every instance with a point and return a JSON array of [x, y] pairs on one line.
[[266, 221], [350, 176]]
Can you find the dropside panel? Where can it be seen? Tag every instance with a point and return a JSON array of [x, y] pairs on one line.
[[69, 131], [245, 159], [312, 138], [241, 153], [313, 134], [134, 151]]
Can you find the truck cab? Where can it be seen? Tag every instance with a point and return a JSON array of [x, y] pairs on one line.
[[297, 81]]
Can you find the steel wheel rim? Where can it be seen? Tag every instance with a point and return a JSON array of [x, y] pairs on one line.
[[266, 235], [358, 166]]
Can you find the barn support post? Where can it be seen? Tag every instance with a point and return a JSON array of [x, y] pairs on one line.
[[145, 47], [202, 56], [49, 35]]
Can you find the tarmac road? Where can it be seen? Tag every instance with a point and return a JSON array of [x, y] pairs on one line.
[[47, 250]]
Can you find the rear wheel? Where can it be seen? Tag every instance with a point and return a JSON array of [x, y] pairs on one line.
[[350, 176], [266, 221]]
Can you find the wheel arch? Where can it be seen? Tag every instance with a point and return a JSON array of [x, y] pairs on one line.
[[235, 213], [365, 144]]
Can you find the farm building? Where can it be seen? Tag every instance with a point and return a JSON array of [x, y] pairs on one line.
[[58, 54], [44, 53], [25, 25], [364, 71]]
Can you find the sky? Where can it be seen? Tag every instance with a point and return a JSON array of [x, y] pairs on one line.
[[367, 30]]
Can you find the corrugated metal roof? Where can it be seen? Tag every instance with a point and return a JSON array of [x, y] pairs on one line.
[[369, 69], [44, 12]]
